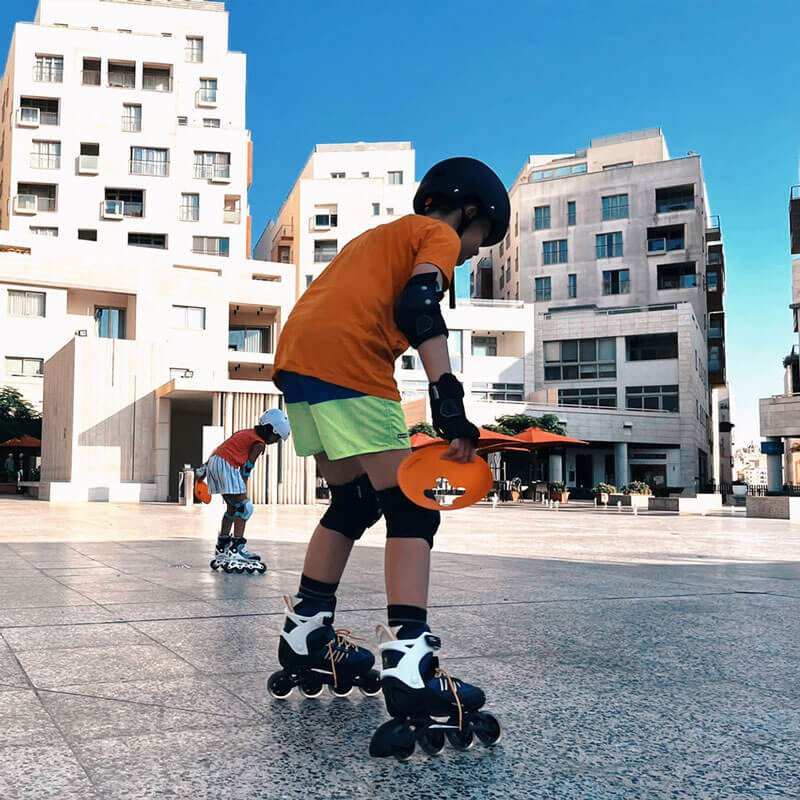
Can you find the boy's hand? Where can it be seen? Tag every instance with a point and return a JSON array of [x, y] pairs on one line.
[[461, 450], [450, 419]]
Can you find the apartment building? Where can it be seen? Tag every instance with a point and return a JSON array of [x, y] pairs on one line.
[[616, 249], [129, 309]]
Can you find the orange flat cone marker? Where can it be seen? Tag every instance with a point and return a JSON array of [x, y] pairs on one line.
[[201, 492], [418, 474]]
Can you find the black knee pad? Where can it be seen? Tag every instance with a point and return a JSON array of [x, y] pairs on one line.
[[354, 508], [405, 519]]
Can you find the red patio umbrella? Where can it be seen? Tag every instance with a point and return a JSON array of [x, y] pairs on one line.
[[418, 440], [536, 437], [25, 442]]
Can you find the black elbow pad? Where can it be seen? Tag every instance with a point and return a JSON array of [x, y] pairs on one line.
[[417, 312]]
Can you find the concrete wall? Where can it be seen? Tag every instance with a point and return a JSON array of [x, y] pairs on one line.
[[58, 416]]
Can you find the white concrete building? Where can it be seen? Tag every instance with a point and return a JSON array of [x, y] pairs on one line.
[[615, 247], [125, 163]]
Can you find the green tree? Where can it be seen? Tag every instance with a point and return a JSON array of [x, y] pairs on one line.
[[422, 427], [14, 407], [513, 424]]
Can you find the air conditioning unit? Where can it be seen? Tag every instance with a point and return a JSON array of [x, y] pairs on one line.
[[88, 165], [112, 209], [26, 204], [28, 117]]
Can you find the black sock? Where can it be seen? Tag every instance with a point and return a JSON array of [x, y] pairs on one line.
[[315, 596], [410, 621]]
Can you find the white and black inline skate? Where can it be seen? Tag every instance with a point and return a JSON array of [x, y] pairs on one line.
[[231, 555], [427, 705], [314, 655]]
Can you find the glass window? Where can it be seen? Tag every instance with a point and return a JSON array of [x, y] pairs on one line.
[[652, 398], [665, 239], [194, 49], [675, 198], [502, 392], [677, 276], [110, 322], [541, 217], [210, 165], [250, 340], [616, 281], [395, 177], [87, 235], [149, 161], [580, 359], [615, 206], [595, 397], [555, 252], [208, 90], [190, 207], [26, 304], [189, 317], [24, 367], [608, 245], [155, 240], [49, 69], [572, 285], [211, 245], [325, 250], [571, 212], [455, 345], [543, 289], [484, 345], [651, 347], [376, 209], [712, 281]]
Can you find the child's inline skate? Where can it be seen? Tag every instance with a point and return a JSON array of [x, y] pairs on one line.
[[231, 555], [427, 705], [313, 654]]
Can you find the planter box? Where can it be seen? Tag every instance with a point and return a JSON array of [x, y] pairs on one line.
[[561, 497], [630, 500], [701, 504], [778, 507]]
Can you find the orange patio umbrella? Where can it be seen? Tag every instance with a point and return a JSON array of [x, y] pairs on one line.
[[25, 442], [536, 437]]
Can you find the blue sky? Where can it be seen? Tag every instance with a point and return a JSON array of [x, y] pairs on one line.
[[502, 80]]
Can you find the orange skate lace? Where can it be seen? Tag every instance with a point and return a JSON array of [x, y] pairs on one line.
[[344, 639], [451, 684]]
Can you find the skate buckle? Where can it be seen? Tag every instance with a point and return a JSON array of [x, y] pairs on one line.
[[433, 641]]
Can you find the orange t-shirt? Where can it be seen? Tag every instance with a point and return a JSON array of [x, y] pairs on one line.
[[236, 449], [342, 330]]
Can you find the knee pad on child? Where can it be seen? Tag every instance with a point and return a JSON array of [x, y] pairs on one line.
[[244, 509], [405, 519], [354, 508]]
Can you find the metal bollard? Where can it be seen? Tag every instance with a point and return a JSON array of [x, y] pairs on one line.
[[188, 486], [636, 511], [619, 506], [558, 504]]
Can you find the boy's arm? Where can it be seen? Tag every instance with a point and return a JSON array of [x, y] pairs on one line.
[[255, 451]]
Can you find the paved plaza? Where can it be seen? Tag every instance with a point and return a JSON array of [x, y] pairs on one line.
[[648, 656]]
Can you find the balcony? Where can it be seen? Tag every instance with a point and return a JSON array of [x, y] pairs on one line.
[[157, 80], [112, 209], [87, 165], [158, 169], [216, 173], [794, 219], [45, 73], [716, 327], [232, 217], [122, 78], [714, 229], [780, 415], [43, 161], [206, 98], [90, 77], [33, 204], [28, 117]]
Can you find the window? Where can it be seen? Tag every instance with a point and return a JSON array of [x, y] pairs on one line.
[[615, 206], [26, 304], [677, 276], [555, 252], [337, 175], [571, 212], [389, 212], [182, 121], [45, 155], [212, 165], [616, 281], [652, 398], [209, 122], [675, 198], [376, 209], [596, 397], [712, 281], [211, 245], [47, 110], [395, 178], [233, 209], [193, 52], [665, 239], [250, 340], [559, 172], [110, 322], [543, 289], [502, 248], [412, 361], [24, 367], [455, 346], [580, 359], [156, 78], [131, 118], [325, 250], [190, 207], [714, 257], [131, 200], [484, 345], [608, 245], [284, 254], [541, 217], [49, 69], [621, 165], [365, 174], [504, 392], [39, 196], [652, 346], [572, 285], [208, 91], [154, 240], [149, 161], [87, 235], [121, 75], [326, 217], [90, 75], [38, 230], [714, 358], [191, 318]]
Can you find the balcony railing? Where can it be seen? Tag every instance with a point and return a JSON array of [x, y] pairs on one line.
[[48, 74], [232, 217], [90, 77], [206, 97], [121, 80], [213, 172], [88, 165], [132, 124], [157, 83], [112, 209], [41, 161], [219, 250], [31, 203], [159, 169], [189, 214]]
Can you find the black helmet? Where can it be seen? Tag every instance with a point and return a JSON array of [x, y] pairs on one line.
[[457, 182]]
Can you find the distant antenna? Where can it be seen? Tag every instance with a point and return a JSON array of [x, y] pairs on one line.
[[691, 153]]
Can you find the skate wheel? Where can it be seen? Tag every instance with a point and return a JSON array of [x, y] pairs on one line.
[[486, 728], [431, 740], [279, 685], [261, 568], [460, 739], [371, 684], [393, 738], [228, 568], [340, 691], [239, 570], [214, 565], [311, 688]]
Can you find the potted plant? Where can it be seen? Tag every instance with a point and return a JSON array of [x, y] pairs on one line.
[[637, 493], [739, 488], [559, 492], [602, 491], [637, 487]]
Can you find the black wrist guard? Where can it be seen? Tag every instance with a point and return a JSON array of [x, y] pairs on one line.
[[447, 408]]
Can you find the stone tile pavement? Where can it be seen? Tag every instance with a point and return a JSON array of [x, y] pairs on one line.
[[627, 657]]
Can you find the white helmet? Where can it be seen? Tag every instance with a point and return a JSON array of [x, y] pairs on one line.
[[279, 422]]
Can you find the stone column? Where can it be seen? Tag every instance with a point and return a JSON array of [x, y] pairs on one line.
[[775, 465], [556, 466], [621, 464]]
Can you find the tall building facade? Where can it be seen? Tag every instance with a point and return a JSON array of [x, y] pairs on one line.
[[616, 249], [125, 163]]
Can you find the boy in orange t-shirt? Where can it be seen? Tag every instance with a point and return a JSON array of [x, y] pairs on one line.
[[335, 365], [226, 473]]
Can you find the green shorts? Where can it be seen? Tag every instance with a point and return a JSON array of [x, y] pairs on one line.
[[340, 422]]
